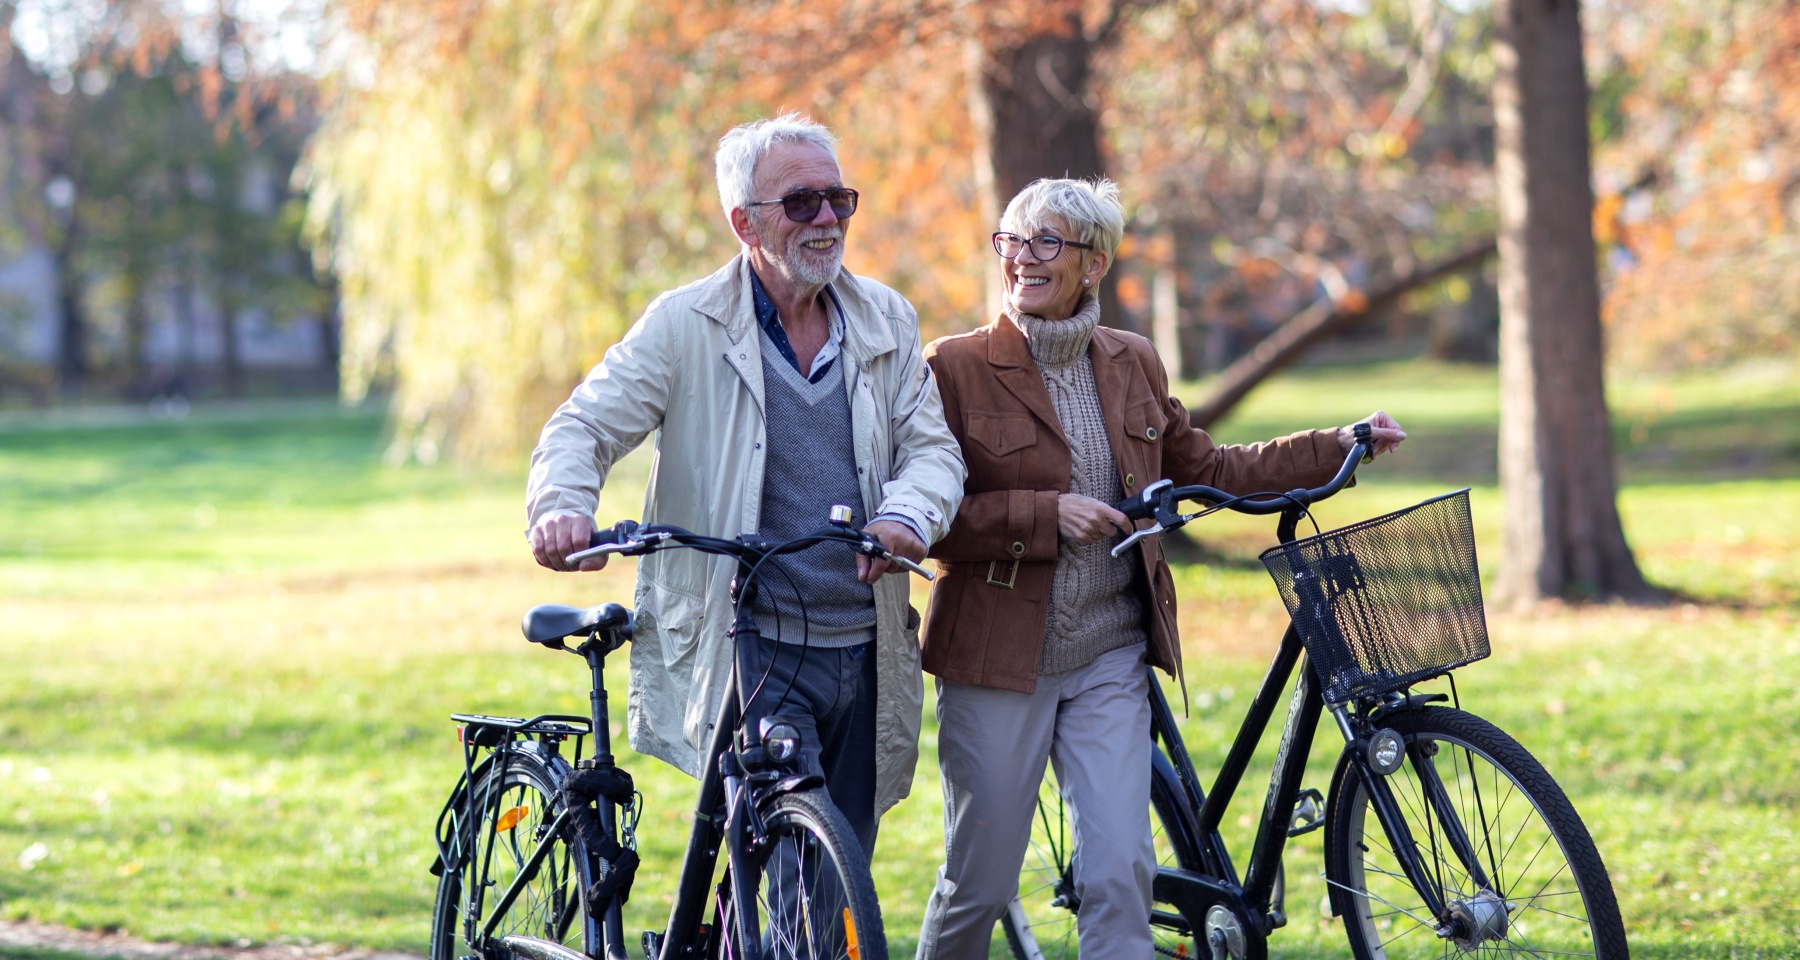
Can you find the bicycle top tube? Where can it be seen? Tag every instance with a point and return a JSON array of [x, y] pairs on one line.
[[629, 539]]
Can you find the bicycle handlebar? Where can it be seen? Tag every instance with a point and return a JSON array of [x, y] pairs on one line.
[[1157, 501], [628, 538]]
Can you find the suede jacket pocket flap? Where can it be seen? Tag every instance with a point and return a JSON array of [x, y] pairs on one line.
[[1000, 433]]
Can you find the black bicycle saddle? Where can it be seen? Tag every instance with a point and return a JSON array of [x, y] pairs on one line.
[[549, 623]]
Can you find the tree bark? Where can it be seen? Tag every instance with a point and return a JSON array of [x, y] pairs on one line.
[[1318, 321], [71, 328], [1561, 532], [1035, 120]]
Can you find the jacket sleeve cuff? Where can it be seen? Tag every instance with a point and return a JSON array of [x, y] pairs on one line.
[[907, 521], [1031, 524]]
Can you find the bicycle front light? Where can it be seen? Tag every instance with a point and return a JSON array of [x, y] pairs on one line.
[[1386, 751], [781, 740]]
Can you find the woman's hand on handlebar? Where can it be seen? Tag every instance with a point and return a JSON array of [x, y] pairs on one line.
[[898, 539], [1086, 520], [1384, 431], [556, 536]]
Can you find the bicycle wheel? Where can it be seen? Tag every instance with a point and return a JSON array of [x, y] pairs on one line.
[[1040, 922], [813, 898], [1550, 894], [503, 820]]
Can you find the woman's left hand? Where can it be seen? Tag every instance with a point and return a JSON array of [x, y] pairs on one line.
[[1383, 429], [1085, 520]]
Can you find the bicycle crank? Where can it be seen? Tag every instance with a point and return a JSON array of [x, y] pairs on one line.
[[1477, 920], [1224, 934]]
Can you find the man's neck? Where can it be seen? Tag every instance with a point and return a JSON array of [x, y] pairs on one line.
[[801, 308]]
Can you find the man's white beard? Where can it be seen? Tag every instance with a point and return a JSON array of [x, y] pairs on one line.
[[802, 268]]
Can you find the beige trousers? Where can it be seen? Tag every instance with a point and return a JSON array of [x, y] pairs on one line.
[[1093, 725]]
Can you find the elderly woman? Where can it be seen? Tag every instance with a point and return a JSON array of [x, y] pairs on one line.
[[1037, 635]]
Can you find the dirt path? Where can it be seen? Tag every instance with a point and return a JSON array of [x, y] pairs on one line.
[[44, 936]]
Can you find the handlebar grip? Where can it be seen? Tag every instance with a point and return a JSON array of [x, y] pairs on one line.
[[1143, 505], [617, 533]]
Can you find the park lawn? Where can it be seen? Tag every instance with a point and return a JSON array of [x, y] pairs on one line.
[[233, 646]]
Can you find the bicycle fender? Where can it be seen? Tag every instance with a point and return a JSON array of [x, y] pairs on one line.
[[1416, 701]]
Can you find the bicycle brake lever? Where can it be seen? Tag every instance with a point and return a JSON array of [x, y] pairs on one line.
[[906, 564], [599, 551], [873, 548], [1135, 537]]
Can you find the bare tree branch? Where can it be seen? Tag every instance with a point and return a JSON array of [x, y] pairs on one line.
[[1323, 317]]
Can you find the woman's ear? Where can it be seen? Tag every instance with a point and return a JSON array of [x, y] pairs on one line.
[[1095, 268]]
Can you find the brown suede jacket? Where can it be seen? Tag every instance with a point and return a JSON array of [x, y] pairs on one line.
[[989, 604]]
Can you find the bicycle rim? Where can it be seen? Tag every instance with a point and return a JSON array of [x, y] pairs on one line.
[[1541, 866], [813, 897], [506, 818]]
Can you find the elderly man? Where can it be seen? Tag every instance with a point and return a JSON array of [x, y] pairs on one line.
[[778, 386]]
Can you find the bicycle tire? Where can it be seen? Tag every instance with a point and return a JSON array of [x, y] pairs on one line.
[[1040, 922], [1524, 831], [502, 813], [817, 900]]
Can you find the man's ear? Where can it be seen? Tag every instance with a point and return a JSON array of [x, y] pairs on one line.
[[744, 226]]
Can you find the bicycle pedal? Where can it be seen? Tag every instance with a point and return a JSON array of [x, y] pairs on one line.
[[1309, 813], [653, 942]]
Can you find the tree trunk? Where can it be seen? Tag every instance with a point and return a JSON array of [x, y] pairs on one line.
[[1033, 116], [72, 366], [233, 364], [1562, 536]]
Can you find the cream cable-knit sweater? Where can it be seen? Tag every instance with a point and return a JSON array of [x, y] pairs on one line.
[[1093, 608]]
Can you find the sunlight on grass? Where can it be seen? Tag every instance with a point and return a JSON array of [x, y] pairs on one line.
[[233, 648]]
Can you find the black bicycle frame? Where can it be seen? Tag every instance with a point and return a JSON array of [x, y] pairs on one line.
[[1193, 893]]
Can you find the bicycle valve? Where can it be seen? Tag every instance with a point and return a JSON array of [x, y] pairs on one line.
[[840, 515]]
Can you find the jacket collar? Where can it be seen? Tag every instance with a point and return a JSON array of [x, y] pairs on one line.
[[1007, 346], [1011, 356], [726, 297]]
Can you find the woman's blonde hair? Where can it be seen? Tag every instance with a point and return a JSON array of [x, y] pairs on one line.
[[1090, 208]]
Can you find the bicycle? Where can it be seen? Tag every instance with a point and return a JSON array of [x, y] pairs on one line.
[[537, 850], [1443, 836]]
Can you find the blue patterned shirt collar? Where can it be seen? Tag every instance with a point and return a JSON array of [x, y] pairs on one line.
[[770, 319]]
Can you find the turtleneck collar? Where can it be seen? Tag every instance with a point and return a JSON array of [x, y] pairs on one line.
[[1057, 342]]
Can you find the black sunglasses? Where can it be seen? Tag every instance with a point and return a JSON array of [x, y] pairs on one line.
[[802, 206], [1044, 247]]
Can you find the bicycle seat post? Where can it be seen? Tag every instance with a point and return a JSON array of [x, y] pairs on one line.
[[596, 660]]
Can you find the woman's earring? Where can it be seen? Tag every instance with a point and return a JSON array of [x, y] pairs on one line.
[[1087, 283]]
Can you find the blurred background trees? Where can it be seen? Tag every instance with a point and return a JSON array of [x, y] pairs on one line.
[[148, 160]]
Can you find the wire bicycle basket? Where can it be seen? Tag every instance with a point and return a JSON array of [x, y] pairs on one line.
[[1388, 602]]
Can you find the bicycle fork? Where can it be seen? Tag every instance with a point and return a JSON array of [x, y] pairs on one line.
[[1357, 749]]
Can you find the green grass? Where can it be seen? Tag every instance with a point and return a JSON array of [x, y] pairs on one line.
[[232, 646]]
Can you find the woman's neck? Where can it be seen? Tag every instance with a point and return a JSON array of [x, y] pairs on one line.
[[1057, 342]]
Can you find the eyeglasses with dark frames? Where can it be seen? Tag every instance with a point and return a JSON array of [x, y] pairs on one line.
[[1044, 247], [802, 206]]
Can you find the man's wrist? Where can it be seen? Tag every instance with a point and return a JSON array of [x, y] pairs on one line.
[[904, 521]]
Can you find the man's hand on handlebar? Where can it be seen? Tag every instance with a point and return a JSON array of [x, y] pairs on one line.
[[556, 536], [1384, 431], [899, 540]]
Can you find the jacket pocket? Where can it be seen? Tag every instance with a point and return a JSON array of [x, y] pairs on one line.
[[1000, 434], [1144, 422]]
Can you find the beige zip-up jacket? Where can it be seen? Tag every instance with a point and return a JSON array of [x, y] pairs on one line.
[[691, 370]]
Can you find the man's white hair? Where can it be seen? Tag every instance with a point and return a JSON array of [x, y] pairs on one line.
[[744, 146], [1089, 208]]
